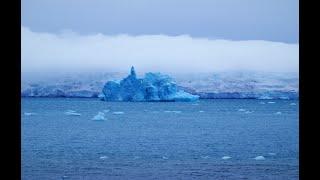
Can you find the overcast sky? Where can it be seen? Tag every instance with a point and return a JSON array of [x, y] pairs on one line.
[[173, 35]]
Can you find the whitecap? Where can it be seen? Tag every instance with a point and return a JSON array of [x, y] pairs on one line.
[[201, 111], [118, 112], [272, 154], [99, 117], [259, 158], [241, 110], [271, 102], [262, 103], [278, 113], [195, 104], [226, 157], [293, 104], [248, 112]]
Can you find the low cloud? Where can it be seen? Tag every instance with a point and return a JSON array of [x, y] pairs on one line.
[[69, 51]]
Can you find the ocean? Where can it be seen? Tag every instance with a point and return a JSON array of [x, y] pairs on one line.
[[208, 139]]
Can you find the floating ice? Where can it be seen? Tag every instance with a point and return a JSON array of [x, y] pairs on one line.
[[278, 113], [104, 157], [205, 157], [164, 157], [153, 87], [29, 114], [271, 102], [293, 104], [226, 157], [172, 111], [99, 117], [106, 110], [72, 113], [118, 112], [241, 110], [259, 158], [272, 154]]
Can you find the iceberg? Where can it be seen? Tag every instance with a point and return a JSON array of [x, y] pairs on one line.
[[153, 87]]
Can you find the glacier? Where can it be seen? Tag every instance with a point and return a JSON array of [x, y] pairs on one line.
[[153, 87]]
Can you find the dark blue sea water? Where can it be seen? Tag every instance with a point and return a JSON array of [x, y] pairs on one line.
[[149, 141]]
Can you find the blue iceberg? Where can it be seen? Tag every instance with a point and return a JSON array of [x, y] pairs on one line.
[[153, 87]]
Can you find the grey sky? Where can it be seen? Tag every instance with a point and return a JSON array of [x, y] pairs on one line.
[[271, 20]]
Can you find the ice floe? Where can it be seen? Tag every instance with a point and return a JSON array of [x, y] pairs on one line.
[[259, 158], [118, 112], [226, 157], [99, 117]]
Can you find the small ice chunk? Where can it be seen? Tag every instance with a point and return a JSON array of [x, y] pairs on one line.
[[241, 110], [172, 111], [271, 102], [72, 113], [293, 104], [29, 114], [164, 157], [99, 117], [272, 154], [118, 112], [106, 110], [278, 113], [205, 157], [104, 157], [259, 158], [226, 157], [201, 111]]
